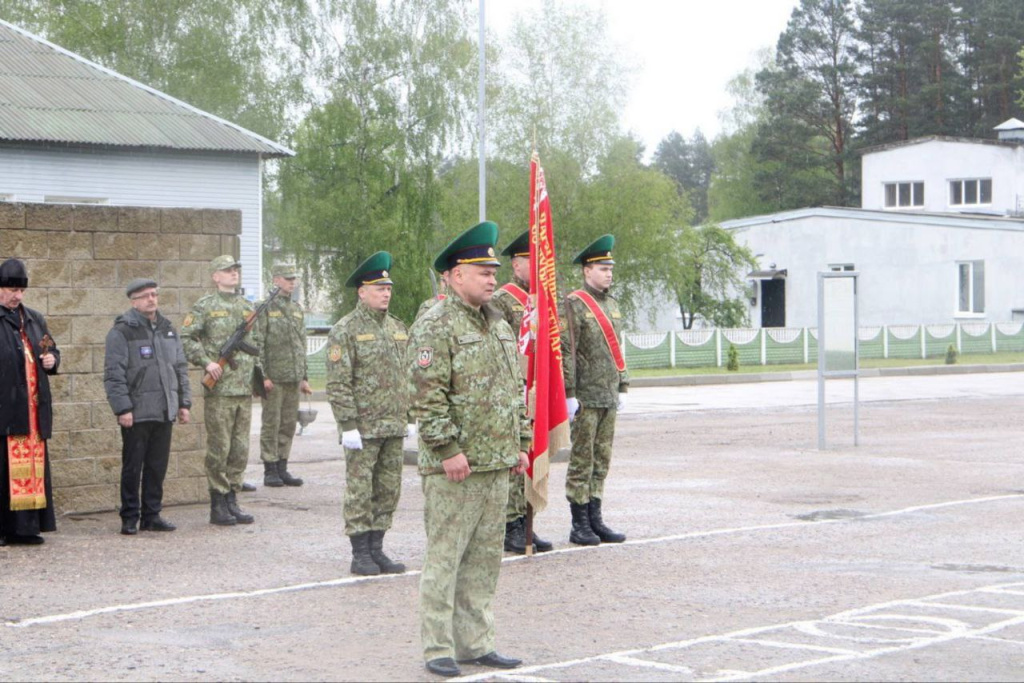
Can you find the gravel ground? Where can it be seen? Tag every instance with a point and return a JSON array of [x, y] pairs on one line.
[[751, 555]]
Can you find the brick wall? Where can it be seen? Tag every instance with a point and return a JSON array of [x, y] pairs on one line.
[[79, 258]]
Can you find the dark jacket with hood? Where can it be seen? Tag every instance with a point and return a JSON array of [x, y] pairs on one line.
[[13, 383], [144, 369]]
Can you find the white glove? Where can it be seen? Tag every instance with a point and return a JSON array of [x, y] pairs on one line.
[[572, 406], [410, 431], [622, 401], [352, 440]]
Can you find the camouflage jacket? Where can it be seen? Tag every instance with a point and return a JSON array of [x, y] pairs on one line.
[[426, 306], [366, 373], [467, 395], [591, 376], [283, 328], [512, 311], [207, 326]]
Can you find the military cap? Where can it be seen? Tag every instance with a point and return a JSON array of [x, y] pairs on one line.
[[373, 271], [475, 246], [599, 251], [224, 262], [520, 246], [285, 270], [13, 274], [139, 284]]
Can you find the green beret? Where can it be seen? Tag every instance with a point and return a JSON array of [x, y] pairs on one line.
[[475, 246], [520, 246], [285, 270], [373, 271], [599, 251], [223, 263]]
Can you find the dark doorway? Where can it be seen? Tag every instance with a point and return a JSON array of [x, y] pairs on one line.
[[773, 303]]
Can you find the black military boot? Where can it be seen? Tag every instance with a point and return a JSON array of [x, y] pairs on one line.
[[515, 536], [236, 512], [219, 513], [362, 563], [581, 533], [285, 475], [387, 566], [597, 524], [540, 544], [271, 475]]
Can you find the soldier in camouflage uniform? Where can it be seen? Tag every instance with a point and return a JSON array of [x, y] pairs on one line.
[[228, 405], [442, 294], [367, 388], [594, 386], [510, 299], [283, 327], [467, 396]]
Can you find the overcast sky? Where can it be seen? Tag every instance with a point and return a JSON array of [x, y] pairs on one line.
[[685, 52]]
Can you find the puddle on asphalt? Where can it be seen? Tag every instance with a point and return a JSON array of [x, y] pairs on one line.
[[819, 515]]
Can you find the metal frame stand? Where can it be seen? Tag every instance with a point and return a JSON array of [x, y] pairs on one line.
[[824, 373]]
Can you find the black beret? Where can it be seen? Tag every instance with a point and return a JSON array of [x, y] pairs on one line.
[[13, 274]]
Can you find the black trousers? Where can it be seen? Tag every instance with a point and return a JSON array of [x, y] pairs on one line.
[[144, 454]]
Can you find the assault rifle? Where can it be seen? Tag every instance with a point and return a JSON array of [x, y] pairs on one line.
[[236, 342]]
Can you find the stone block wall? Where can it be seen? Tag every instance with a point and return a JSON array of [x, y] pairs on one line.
[[79, 258]]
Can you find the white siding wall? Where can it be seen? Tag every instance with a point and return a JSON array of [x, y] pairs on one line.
[[154, 179], [908, 271], [936, 163]]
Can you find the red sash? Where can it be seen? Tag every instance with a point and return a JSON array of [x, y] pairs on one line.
[[606, 327], [516, 291]]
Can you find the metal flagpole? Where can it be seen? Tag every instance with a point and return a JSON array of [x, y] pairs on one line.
[[481, 109]]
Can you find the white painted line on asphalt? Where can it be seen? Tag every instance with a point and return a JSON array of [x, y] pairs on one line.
[[262, 592], [879, 611], [792, 646], [648, 664], [970, 608], [993, 639]]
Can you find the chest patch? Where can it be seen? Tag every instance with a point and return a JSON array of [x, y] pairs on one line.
[[365, 337], [218, 314], [146, 352], [401, 336], [274, 314], [425, 356]]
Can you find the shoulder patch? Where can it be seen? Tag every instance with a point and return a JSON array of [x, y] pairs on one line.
[[189, 319], [425, 356], [334, 353]]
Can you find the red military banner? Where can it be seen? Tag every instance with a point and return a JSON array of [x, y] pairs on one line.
[[545, 388]]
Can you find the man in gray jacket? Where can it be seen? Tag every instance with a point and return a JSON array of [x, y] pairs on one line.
[[145, 375]]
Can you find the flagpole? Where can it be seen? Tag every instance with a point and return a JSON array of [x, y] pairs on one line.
[[481, 109]]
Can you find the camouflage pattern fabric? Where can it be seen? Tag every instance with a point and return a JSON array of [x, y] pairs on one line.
[[592, 434], [373, 477], [207, 326], [512, 311], [228, 419], [366, 373], [593, 378], [465, 536], [426, 306], [283, 329], [277, 427], [466, 388]]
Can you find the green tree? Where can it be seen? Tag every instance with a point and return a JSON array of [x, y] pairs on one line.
[[707, 273], [691, 164]]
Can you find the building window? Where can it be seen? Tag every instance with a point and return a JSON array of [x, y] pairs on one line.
[[970, 192], [901, 195], [840, 267], [971, 287]]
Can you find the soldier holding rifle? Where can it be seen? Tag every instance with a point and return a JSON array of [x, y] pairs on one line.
[[219, 336]]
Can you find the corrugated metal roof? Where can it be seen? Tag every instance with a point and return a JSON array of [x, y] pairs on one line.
[[48, 94]]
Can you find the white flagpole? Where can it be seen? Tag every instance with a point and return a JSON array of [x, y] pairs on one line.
[[481, 109]]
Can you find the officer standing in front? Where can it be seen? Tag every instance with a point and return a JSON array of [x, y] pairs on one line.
[[467, 397], [368, 390], [145, 376], [595, 382], [511, 300], [227, 407], [283, 328]]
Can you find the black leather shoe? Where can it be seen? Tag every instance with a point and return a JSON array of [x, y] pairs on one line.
[[444, 666], [25, 540], [247, 487], [495, 661], [158, 523], [129, 527]]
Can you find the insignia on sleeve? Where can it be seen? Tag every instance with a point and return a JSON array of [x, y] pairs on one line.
[[334, 354], [425, 356], [189, 319]]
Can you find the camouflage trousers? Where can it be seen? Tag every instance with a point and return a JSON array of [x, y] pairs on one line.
[[228, 419], [516, 497], [592, 434], [465, 525], [280, 415], [373, 483]]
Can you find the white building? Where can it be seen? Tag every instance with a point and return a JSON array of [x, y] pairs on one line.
[[72, 131], [939, 238]]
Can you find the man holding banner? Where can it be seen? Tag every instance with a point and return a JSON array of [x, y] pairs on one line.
[[595, 381]]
